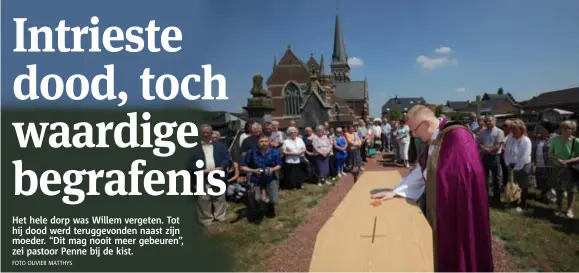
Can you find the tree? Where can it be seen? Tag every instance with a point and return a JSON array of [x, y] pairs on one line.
[[500, 92], [457, 116], [395, 113], [438, 111]]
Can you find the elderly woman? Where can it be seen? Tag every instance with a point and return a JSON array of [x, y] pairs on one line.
[[403, 139], [277, 136], [354, 144], [518, 158], [509, 140], [293, 148], [322, 146], [340, 151], [507, 132], [564, 152]]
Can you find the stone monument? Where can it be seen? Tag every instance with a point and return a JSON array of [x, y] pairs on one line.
[[260, 106]]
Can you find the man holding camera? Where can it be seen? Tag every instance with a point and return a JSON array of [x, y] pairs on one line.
[[261, 165]]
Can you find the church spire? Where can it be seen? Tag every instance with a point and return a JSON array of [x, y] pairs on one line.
[[274, 62], [322, 66], [339, 54], [340, 68]]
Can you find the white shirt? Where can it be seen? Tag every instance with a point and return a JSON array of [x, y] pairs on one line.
[[540, 157], [519, 152], [293, 146], [412, 186], [508, 150], [208, 152], [377, 130]]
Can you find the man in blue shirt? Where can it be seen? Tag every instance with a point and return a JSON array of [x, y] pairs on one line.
[[262, 164], [386, 129]]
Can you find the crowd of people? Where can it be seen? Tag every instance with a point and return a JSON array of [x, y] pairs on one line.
[[270, 160], [546, 158]]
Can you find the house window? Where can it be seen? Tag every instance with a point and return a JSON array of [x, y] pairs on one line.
[[293, 99]]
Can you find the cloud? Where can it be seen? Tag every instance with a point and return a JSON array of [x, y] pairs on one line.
[[355, 62], [443, 50], [433, 63], [460, 89]]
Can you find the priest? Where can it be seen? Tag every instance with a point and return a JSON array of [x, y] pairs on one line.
[[451, 181]]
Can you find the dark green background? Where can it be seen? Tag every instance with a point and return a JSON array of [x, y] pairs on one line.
[[200, 253]]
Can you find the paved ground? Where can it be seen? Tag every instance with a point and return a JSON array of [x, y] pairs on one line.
[[294, 254]]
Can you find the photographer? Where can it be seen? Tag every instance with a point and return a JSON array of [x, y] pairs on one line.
[[262, 164]]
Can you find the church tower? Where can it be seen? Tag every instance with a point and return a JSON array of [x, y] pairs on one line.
[[340, 68]]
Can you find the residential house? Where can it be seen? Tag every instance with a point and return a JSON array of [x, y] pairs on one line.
[[461, 106], [499, 104], [566, 99], [495, 104], [404, 104]]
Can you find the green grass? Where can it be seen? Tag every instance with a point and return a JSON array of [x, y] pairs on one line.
[[251, 245], [537, 240]]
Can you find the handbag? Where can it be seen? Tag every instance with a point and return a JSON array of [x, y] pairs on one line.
[[512, 190]]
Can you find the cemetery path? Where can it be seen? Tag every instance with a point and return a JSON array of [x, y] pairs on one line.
[[294, 254]]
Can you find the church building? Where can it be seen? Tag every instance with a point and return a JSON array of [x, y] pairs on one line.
[[305, 92]]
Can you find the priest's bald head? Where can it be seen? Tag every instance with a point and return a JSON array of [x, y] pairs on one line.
[[422, 122]]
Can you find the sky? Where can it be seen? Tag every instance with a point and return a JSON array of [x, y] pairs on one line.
[[440, 50]]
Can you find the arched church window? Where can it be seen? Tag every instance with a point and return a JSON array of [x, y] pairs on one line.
[[293, 99]]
